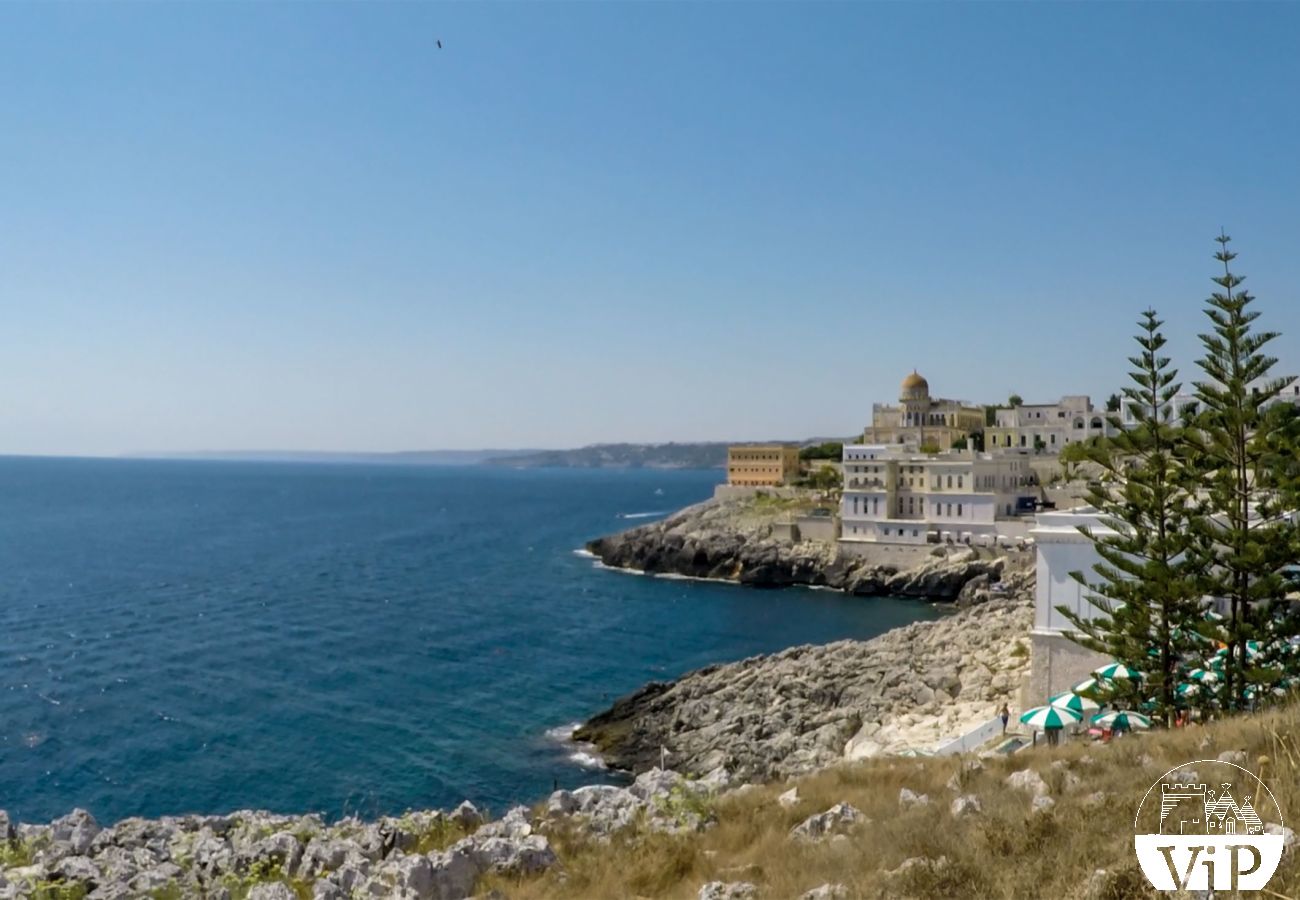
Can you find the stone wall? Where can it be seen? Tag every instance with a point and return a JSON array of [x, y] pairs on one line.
[[742, 492], [1058, 664], [825, 529], [877, 553]]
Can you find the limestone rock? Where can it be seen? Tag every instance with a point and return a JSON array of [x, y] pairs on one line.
[[728, 890], [1236, 757], [790, 798], [828, 891], [846, 700], [907, 799], [965, 805], [1029, 781], [838, 818]]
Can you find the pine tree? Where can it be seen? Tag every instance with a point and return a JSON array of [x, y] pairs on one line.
[[1145, 586], [1243, 451]]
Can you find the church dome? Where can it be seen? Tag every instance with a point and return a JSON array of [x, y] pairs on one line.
[[915, 386]]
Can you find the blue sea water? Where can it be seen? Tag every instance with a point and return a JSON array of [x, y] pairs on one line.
[[201, 636]]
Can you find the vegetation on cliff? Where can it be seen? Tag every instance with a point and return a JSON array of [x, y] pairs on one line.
[[942, 827]]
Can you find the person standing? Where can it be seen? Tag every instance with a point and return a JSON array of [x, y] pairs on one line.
[[1005, 715]]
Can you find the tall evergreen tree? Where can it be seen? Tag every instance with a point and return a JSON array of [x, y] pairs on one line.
[[1238, 447], [1144, 585]]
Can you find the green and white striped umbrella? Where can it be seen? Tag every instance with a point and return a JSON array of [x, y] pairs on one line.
[[1253, 648], [1074, 702], [1050, 717], [1206, 675], [1118, 672], [1090, 687], [1188, 689], [1124, 718]]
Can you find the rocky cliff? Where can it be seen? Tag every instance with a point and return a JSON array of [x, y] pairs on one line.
[[734, 540], [806, 707]]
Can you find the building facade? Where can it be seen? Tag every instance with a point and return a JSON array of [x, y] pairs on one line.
[[1058, 663], [920, 420], [1187, 404], [762, 465], [1046, 427], [893, 495]]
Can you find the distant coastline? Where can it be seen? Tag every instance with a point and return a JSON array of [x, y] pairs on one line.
[[691, 455]]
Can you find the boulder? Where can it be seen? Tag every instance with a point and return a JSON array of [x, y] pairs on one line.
[[908, 798], [1029, 781], [1235, 757], [276, 890], [509, 856], [837, 819], [826, 891], [965, 805], [728, 890], [466, 815], [453, 874], [1041, 804], [789, 799], [77, 829]]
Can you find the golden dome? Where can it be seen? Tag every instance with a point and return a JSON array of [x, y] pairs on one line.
[[915, 382]]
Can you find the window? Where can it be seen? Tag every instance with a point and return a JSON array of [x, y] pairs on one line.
[[959, 480], [1022, 440], [959, 510], [914, 532], [949, 481], [949, 509]]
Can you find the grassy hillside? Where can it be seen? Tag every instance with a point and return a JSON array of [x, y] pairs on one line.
[[1007, 850]]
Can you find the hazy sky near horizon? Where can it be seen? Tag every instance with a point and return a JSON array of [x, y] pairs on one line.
[[304, 226]]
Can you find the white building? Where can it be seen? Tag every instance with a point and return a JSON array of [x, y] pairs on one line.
[[1046, 427], [1058, 663], [1187, 403], [894, 495]]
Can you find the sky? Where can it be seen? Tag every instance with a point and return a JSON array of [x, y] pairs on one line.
[[304, 226]]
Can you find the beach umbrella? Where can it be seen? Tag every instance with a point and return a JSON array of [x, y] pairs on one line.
[[1118, 672], [1253, 648], [1075, 702], [1188, 689], [1050, 717], [1124, 718], [1090, 687], [1212, 616], [1209, 676]]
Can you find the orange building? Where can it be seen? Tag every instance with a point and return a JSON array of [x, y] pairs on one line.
[[762, 465]]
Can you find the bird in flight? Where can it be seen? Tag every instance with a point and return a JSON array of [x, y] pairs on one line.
[[439, 45]]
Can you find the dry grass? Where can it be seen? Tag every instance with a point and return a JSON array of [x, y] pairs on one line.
[[1005, 852]]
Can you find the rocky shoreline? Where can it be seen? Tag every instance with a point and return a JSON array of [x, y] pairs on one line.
[[807, 707], [257, 855], [735, 541]]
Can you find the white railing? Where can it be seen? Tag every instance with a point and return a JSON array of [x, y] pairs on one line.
[[971, 740]]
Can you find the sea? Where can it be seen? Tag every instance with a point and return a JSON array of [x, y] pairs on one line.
[[348, 639]]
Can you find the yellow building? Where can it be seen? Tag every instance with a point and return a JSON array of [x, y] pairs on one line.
[[762, 465], [921, 420]]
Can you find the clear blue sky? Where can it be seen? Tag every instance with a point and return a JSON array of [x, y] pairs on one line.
[[303, 226]]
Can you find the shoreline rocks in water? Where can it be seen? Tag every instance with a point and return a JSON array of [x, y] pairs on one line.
[[733, 540], [807, 707]]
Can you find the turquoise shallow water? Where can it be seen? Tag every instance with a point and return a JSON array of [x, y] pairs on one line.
[[199, 637]]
